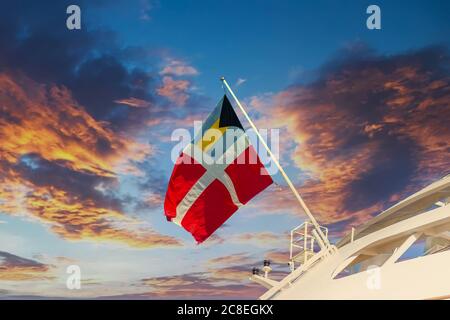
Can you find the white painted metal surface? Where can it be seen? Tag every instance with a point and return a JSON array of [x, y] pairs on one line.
[[370, 266]]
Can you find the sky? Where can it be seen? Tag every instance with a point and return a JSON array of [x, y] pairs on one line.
[[86, 118]]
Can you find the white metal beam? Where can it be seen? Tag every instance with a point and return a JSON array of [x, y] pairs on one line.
[[398, 252]]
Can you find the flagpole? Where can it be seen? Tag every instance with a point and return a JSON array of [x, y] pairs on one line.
[[283, 173]]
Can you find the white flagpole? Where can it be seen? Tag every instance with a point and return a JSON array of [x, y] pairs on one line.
[[283, 173]]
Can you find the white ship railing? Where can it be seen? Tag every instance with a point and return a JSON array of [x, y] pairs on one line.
[[304, 244]]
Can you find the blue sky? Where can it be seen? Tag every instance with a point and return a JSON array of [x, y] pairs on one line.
[[87, 118], [271, 42]]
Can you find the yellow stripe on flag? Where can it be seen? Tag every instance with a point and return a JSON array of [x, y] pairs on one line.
[[206, 144]]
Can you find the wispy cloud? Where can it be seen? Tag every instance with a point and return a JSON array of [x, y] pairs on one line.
[[15, 268], [240, 81], [176, 67], [225, 277], [238, 258], [133, 102], [174, 90], [203, 285], [262, 238]]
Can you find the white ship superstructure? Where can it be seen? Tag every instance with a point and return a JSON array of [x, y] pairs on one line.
[[403, 253]]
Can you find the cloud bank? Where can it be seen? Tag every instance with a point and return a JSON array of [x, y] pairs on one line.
[[368, 131]]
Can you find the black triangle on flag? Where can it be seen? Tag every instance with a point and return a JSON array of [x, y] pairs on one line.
[[227, 115]]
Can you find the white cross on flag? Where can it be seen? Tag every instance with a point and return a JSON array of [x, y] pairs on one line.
[[218, 172]]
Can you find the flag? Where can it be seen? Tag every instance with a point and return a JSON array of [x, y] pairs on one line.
[[216, 173]]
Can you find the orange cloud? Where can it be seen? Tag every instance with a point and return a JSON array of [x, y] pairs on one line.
[[134, 102], [199, 285], [229, 259], [222, 274], [174, 90], [14, 268], [236, 274], [47, 121], [77, 220], [260, 237], [52, 155], [366, 130], [319, 133], [423, 121]]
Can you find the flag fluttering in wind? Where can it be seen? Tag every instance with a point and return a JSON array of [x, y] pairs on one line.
[[218, 172]]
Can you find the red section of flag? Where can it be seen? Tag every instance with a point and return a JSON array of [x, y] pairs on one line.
[[206, 202], [249, 179], [185, 174], [209, 211]]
